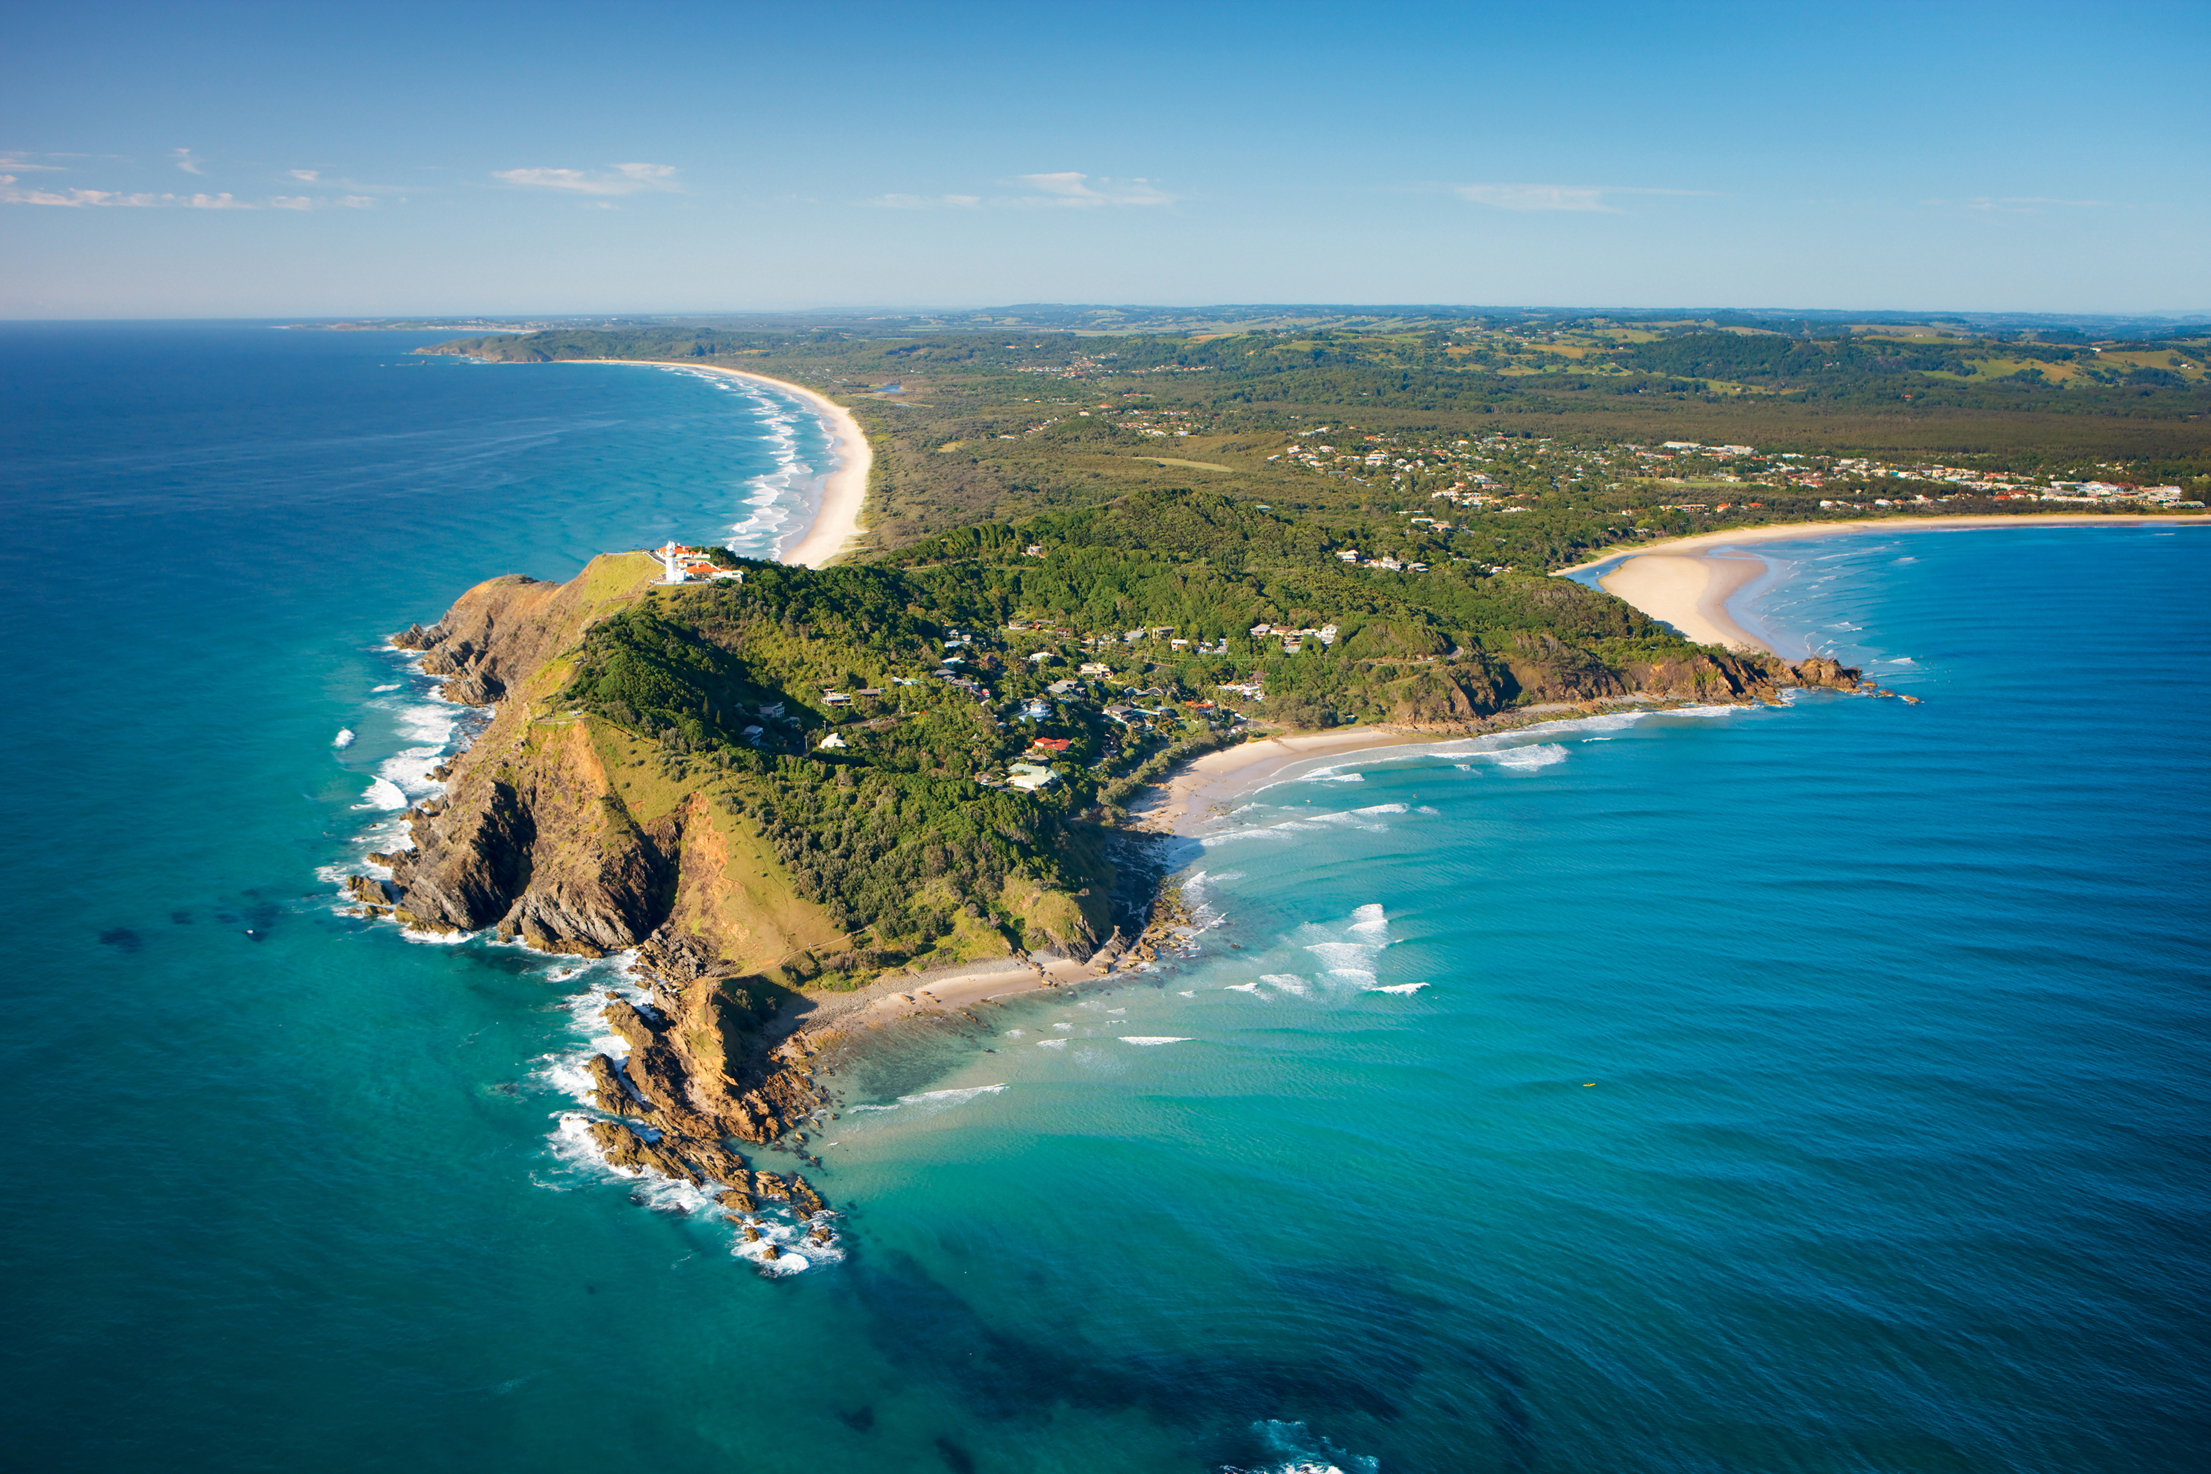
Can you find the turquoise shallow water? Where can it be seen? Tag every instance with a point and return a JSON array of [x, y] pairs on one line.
[[1817, 1089]]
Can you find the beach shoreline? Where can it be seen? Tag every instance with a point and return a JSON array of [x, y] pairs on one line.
[[944, 989], [836, 523], [1789, 531], [1690, 593], [1189, 795], [1681, 585]]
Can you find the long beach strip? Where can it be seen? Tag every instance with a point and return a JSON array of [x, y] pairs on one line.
[[836, 524]]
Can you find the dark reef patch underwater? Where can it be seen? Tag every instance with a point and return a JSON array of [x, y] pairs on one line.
[[1815, 1089]]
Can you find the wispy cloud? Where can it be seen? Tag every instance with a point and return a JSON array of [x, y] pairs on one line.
[[2021, 204], [622, 179], [307, 176], [186, 161], [1064, 190], [925, 201], [1083, 192], [22, 163], [80, 199], [1576, 198]]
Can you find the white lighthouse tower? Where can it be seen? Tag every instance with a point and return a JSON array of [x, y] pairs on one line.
[[673, 570]]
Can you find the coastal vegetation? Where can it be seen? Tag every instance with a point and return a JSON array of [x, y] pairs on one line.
[[1091, 555], [1567, 417], [923, 749]]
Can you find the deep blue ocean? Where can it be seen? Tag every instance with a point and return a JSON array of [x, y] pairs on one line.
[[1816, 1089]]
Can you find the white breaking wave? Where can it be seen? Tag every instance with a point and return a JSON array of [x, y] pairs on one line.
[[937, 1100], [1152, 1039], [1303, 1453], [1347, 957], [343, 739], [382, 793], [1051, 1043], [953, 1097], [437, 939], [1541, 755], [1365, 819], [775, 499], [1399, 988], [1497, 747]]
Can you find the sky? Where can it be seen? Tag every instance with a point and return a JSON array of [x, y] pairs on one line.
[[332, 160]]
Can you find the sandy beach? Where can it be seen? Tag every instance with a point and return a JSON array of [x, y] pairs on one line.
[[1677, 583], [1195, 791], [942, 990], [1690, 593], [836, 524], [1784, 531]]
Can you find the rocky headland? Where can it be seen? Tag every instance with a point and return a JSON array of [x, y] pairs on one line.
[[654, 780]]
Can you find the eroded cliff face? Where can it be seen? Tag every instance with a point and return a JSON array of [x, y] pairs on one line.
[[544, 836], [1476, 689], [537, 835]]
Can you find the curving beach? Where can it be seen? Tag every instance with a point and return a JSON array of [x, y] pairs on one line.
[[1679, 583], [836, 524]]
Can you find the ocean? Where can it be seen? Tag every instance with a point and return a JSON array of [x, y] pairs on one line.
[[1818, 1088]]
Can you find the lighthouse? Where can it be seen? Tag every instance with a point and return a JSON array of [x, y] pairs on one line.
[[670, 557]]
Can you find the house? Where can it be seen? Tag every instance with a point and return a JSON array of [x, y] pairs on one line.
[[1065, 688], [680, 564], [835, 698], [1038, 711], [1030, 776], [1326, 634], [1044, 657], [832, 740], [1094, 668], [1051, 744]]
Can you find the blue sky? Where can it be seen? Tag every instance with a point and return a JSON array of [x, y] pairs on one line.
[[221, 160]]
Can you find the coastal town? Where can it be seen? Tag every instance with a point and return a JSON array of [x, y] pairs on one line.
[[1490, 473]]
